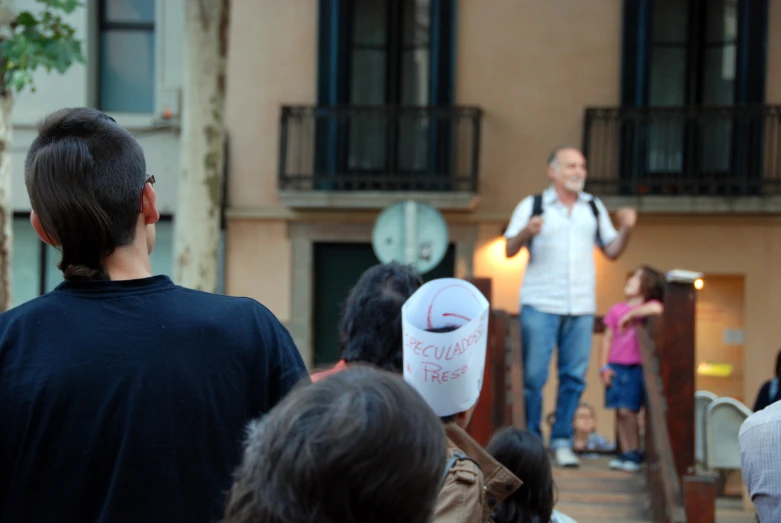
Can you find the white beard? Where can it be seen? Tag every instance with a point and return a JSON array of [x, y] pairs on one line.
[[575, 185]]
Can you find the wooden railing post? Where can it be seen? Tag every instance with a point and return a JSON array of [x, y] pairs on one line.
[[676, 356], [482, 426], [699, 495]]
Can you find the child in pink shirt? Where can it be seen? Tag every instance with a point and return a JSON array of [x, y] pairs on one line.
[[622, 372]]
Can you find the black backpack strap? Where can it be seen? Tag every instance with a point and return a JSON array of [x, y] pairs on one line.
[[536, 211], [594, 209], [457, 456], [537, 205]]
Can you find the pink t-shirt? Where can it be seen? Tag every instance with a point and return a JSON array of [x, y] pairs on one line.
[[625, 349]]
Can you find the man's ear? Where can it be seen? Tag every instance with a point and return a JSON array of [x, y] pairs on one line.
[[551, 172], [42, 234], [151, 214]]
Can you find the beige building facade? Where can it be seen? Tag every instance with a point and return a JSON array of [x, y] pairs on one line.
[[532, 69]]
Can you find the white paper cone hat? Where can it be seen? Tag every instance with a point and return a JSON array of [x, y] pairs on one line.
[[446, 368]]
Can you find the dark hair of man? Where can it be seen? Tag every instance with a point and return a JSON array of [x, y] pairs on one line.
[[85, 175], [778, 365], [370, 327], [652, 283], [358, 446], [523, 453]]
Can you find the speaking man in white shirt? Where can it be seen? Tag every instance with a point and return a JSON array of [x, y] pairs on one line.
[[560, 228]]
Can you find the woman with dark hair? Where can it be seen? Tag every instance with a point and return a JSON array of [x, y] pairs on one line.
[[370, 327], [770, 391], [523, 453]]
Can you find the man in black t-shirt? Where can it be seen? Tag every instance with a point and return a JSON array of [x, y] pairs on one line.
[[123, 397]]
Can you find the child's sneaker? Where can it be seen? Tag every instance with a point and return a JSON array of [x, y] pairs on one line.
[[628, 461], [631, 466]]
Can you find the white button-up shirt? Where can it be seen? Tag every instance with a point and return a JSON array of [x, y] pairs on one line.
[[561, 275], [760, 459]]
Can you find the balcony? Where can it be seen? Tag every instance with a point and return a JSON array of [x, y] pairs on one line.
[[686, 159], [371, 157]]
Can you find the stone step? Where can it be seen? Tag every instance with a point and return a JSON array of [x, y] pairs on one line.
[[602, 519], [604, 512], [592, 485], [609, 498], [594, 493]]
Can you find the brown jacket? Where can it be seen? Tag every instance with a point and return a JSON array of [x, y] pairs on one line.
[[472, 490]]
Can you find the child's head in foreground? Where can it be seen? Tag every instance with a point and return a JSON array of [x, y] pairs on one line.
[[523, 453]]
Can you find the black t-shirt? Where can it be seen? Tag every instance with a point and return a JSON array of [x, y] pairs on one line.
[[127, 401]]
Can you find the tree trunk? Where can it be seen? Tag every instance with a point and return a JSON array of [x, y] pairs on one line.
[[6, 210], [197, 220]]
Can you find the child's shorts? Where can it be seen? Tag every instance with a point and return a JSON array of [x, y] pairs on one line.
[[628, 388]]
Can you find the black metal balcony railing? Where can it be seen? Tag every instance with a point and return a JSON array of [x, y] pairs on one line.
[[379, 149], [691, 151]]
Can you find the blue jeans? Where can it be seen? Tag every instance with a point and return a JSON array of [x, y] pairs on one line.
[[628, 388], [540, 333]]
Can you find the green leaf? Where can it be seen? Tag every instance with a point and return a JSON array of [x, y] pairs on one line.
[[26, 18], [66, 6], [46, 42]]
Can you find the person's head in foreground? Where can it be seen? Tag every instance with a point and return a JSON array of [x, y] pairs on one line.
[[370, 327], [358, 446], [445, 337], [90, 195], [523, 453]]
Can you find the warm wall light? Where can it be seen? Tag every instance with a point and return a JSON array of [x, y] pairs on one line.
[[715, 370], [698, 283]]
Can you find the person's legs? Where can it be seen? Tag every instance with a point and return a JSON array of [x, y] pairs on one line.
[[574, 342], [628, 430], [626, 395], [538, 337]]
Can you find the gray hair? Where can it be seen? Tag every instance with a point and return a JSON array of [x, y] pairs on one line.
[[553, 157]]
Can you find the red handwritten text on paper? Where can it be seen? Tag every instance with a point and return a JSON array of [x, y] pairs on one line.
[[444, 352], [433, 373]]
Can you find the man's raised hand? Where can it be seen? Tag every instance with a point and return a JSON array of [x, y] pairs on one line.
[[534, 226]]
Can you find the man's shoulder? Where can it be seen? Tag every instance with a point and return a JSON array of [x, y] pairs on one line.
[[526, 201], [31, 307], [222, 302], [767, 419]]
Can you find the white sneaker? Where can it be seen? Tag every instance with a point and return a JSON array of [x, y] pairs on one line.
[[630, 466], [566, 458], [624, 464]]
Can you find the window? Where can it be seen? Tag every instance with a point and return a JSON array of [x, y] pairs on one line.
[[694, 52], [693, 62], [385, 54], [706, 55], [390, 52], [389, 65], [26, 261], [127, 56]]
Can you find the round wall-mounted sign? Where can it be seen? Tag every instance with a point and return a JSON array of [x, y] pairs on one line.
[[411, 232]]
